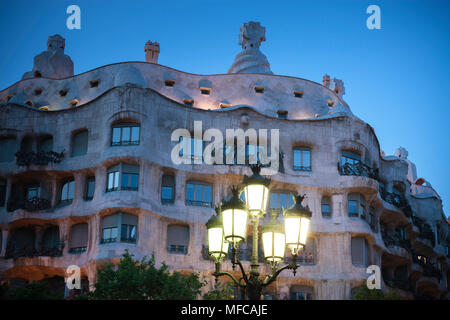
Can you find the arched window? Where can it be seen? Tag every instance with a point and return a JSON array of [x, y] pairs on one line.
[[78, 240], [125, 134], [199, 194], [360, 252], [326, 207], [168, 188], [123, 176], [177, 239], [8, 147], [79, 143], [356, 205], [67, 192], [125, 222]]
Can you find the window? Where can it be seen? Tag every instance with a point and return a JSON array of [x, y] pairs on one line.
[[356, 205], [2, 193], [67, 192], [282, 114], [9, 148], [191, 148], [177, 239], [326, 207], [79, 143], [350, 158], [90, 188], [308, 254], [123, 177], [302, 159], [199, 194], [78, 240], [298, 93], [168, 188], [372, 218], [259, 90], [281, 200], [26, 145], [128, 228], [125, 134], [360, 252], [33, 191], [45, 144], [50, 239], [301, 293]]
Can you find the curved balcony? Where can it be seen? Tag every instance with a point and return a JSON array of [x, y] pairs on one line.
[[357, 169], [26, 158], [28, 251], [31, 204]]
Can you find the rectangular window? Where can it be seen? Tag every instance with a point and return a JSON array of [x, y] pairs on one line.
[[326, 210], [90, 188], [353, 208], [125, 134], [129, 181], [128, 233], [199, 194], [109, 235], [281, 200], [113, 181], [302, 159], [362, 209], [33, 192]]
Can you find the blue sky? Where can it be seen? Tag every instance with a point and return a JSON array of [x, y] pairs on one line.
[[396, 79]]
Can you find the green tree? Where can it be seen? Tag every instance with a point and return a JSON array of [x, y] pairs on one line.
[[364, 293], [141, 280], [36, 290], [220, 292]]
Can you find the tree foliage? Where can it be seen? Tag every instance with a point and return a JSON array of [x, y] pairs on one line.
[[220, 292], [364, 293], [141, 280], [36, 290]]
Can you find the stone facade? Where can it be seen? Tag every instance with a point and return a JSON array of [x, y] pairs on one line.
[[399, 223]]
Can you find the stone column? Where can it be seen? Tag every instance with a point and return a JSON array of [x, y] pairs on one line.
[[315, 204], [338, 203], [39, 230], [80, 183], [64, 234], [54, 192], [4, 236], [94, 229], [100, 181], [180, 187]]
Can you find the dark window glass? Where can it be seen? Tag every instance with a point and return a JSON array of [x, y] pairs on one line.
[[199, 194], [128, 233], [353, 208], [109, 235], [80, 143], [90, 188]]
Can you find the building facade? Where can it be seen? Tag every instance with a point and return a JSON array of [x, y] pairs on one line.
[[86, 171]]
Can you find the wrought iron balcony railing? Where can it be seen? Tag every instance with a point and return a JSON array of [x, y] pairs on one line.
[[431, 270], [357, 169], [29, 251], [26, 158], [31, 204]]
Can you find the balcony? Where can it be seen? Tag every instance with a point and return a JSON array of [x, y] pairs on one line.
[[395, 241], [29, 251], [431, 270], [31, 204], [26, 158], [357, 169], [397, 200]]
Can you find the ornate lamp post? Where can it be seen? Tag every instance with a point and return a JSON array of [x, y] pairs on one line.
[[231, 222]]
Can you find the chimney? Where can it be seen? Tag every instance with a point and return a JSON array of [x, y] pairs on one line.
[[151, 51], [326, 80]]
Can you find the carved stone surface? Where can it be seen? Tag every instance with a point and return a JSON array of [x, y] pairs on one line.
[[52, 63], [151, 51], [251, 60]]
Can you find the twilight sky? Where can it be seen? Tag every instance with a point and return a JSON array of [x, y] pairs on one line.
[[396, 79]]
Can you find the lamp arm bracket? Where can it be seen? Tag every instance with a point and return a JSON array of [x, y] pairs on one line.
[[273, 277]]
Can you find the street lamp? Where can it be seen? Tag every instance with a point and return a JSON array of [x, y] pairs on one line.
[[275, 236]]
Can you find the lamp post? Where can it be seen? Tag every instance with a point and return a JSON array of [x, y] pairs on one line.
[[231, 223]]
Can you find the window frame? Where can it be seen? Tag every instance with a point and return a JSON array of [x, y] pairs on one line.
[[117, 173], [119, 227], [194, 202], [168, 185], [302, 166], [125, 125], [66, 200]]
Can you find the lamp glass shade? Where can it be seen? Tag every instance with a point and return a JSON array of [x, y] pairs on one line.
[[274, 244], [234, 224], [296, 229], [256, 196], [217, 245]]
